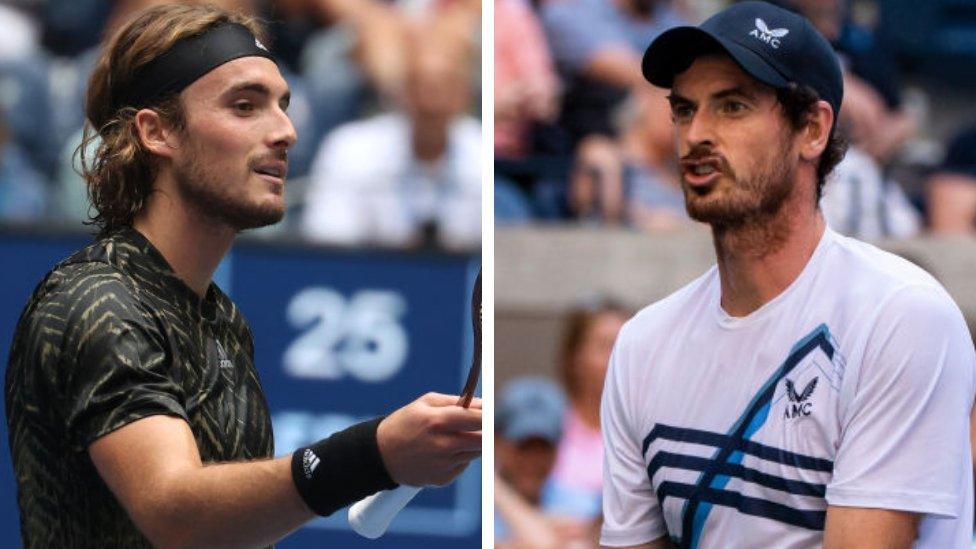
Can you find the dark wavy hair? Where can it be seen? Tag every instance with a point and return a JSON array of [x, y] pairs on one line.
[[119, 173], [798, 102]]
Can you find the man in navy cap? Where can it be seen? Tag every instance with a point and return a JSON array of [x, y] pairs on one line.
[[810, 390]]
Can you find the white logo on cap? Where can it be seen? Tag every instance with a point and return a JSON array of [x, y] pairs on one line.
[[767, 35], [259, 44]]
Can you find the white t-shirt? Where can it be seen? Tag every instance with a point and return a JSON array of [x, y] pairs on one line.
[[851, 388]]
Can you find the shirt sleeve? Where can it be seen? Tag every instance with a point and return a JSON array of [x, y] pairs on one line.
[[631, 513], [904, 442], [122, 370]]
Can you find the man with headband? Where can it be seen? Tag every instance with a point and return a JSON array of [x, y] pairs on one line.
[[135, 413], [810, 390]]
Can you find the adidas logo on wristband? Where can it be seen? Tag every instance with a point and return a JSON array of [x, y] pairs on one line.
[[309, 462]]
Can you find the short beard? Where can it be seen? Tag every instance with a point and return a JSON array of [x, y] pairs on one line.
[[750, 202], [209, 194]]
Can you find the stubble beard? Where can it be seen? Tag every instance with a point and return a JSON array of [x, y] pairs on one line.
[[747, 201], [210, 195], [751, 219]]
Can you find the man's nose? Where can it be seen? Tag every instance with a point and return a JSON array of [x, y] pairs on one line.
[[699, 130], [283, 135]]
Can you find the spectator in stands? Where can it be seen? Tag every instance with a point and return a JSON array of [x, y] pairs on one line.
[[404, 178], [633, 178], [528, 427], [348, 52], [951, 190], [860, 201], [365, 38], [574, 490], [525, 80], [872, 107], [23, 194], [597, 45], [24, 92], [21, 36], [525, 97]]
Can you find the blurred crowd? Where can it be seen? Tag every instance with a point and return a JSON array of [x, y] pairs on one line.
[[581, 137], [385, 100], [548, 447]]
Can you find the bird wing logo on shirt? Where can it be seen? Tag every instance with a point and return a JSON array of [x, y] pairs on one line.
[[798, 405], [768, 35]]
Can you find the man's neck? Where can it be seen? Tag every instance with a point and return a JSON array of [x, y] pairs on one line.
[[191, 244], [429, 139], [758, 261]]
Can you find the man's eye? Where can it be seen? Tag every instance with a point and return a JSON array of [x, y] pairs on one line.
[[681, 112], [243, 106], [734, 107]]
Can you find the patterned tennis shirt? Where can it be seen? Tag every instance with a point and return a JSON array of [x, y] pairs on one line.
[[111, 336]]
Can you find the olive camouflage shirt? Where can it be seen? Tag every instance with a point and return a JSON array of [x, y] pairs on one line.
[[110, 336]]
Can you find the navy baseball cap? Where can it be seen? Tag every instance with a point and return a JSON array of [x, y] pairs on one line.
[[773, 45], [530, 407]]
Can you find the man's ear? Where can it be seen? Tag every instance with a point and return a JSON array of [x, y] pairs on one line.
[[156, 135], [817, 131]]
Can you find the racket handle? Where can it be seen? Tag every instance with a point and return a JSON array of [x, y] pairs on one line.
[[370, 517]]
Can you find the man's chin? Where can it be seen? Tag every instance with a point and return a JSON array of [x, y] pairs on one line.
[[714, 210], [261, 219], [254, 217]]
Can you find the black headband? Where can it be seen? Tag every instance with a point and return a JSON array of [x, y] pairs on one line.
[[187, 60]]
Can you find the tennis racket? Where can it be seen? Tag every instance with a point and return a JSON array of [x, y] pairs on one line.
[[371, 516]]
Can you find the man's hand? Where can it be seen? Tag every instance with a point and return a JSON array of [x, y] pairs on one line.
[[431, 440]]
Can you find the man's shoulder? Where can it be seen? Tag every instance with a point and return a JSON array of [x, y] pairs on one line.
[[864, 269], [657, 319], [467, 127], [81, 285], [466, 135], [79, 299], [887, 294], [102, 260]]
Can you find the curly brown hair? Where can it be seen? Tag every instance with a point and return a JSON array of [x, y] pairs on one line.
[[120, 173]]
